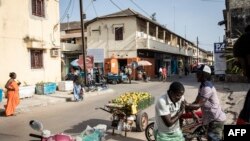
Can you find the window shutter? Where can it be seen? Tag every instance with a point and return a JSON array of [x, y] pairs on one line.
[[33, 3]]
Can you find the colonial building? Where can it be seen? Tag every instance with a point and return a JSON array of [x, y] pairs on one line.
[[30, 41], [125, 37]]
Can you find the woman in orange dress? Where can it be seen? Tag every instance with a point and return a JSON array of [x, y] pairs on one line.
[[12, 87]]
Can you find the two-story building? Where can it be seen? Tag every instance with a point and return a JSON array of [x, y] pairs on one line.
[[118, 39], [127, 36], [30, 41]]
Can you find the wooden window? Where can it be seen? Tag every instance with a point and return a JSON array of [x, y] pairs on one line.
[[36, 59], [119, 33], [38, 8]]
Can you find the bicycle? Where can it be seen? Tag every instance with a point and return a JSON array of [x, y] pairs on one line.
[[190, 129]]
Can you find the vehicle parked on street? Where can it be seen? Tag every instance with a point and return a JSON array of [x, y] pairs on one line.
[[46, 134], [192, 128], [116, 78]]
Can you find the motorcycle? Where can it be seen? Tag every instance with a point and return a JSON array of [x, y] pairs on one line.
[[46, 134], [191, 125]]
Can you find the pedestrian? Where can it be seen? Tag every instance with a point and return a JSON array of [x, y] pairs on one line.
[[242, 54], [13, 100], [129, 73], [160, 73], [164, 73], [168, 110], [208, 101], [74, 76]]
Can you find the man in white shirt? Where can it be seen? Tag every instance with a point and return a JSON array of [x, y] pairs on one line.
[[160, 73], [168, 109]]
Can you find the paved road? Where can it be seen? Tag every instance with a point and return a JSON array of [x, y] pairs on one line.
[[73, 117]]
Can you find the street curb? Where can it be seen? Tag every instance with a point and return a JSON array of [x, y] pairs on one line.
[[45, 100]]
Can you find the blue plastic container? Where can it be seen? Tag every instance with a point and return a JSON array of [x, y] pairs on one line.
[[47, 88], [1, 95]]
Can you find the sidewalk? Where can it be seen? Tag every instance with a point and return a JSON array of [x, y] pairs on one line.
[[45, 100]]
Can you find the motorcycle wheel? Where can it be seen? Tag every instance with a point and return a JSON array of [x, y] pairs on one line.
[[149, 132]]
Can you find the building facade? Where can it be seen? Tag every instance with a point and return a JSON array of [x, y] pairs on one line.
[[123, 38], [30, 41]]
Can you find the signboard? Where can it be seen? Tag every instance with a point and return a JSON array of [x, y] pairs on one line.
[[219, 62], [89, 62], [219, 47], [98, 54]]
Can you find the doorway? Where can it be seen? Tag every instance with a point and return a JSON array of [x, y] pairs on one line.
[[121, 65]]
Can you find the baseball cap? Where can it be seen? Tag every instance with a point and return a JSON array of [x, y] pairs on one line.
[[204, 68]]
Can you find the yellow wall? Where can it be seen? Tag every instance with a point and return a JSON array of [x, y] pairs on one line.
[[16, 23]]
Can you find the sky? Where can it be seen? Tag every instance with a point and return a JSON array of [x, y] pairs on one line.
[[187, 18]]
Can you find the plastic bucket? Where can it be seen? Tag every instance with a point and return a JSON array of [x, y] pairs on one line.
[[1, 95]]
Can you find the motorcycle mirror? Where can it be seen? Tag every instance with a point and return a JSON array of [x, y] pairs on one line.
[[36, 125]]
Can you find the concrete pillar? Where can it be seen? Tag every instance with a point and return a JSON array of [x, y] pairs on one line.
[[147, 35], [164, 36], [156, 33]]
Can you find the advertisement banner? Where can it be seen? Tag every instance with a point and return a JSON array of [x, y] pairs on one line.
[[89, 62]]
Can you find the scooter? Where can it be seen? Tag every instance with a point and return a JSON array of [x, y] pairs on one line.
[[46, 134]]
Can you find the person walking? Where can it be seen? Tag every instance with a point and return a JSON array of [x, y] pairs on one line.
[[160, 73], [13, 100], [208, 101], [129, 73], [168, 110], [74, 76], [242, 54], [164, 74]]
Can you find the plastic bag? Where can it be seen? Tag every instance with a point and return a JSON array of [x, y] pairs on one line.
[[96, 133]]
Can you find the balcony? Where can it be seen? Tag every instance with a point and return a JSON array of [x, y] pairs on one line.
[[159, 45], [70, 47]]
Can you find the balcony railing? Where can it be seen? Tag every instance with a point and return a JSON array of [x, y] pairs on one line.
[[161, 46], [70, 47]]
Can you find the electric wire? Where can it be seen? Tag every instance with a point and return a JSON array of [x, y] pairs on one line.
[[115, 5], [73, 5], [92, 1], [139, 7], [66, 11]]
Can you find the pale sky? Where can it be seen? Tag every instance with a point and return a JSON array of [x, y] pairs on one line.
[[187, 18]]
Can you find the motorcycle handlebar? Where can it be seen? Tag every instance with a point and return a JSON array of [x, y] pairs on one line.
[[36, 136]]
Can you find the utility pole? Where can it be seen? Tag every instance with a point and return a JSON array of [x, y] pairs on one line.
[[82, 16], [197, 50]]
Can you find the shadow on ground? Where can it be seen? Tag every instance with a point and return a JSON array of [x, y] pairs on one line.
[[80, 127], [77, 129]]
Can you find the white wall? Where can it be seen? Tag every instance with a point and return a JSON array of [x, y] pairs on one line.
[[106, 37]]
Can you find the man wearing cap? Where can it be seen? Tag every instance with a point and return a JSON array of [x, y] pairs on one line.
[[207, 99]]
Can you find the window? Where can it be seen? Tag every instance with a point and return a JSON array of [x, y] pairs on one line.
[[38, 8], [36, 59], [119, 33]]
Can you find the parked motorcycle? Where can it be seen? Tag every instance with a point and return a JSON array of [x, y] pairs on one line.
[[46, 134]]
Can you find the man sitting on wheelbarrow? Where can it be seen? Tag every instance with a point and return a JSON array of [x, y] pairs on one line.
[[168, 110]]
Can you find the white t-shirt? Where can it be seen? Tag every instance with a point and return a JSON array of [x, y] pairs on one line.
[[160, 70], [165, 106]]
